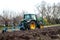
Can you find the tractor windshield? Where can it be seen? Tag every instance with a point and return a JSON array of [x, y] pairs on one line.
[[29, 16]]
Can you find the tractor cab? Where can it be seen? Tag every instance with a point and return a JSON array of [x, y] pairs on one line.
[[28, 17]]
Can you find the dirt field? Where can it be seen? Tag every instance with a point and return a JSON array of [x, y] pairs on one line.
[[51, 33]]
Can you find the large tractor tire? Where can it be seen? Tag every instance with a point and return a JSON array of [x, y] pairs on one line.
[[32, 25]]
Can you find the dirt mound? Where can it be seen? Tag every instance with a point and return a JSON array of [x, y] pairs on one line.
[[52, 33]]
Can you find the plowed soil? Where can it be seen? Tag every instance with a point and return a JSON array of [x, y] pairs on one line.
[[51, 33]]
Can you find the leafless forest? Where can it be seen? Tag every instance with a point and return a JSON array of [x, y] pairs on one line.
[[49, 12]]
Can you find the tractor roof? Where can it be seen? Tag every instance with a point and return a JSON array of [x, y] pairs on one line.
[[29, 14]]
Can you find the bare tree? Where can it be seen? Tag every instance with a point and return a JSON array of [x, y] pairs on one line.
[[42, 9], [48, 12], [5, 17], [51, 12]]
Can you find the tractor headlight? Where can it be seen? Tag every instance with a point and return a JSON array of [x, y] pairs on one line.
[[28, 21]]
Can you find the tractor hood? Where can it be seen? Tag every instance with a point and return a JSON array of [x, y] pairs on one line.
[[28, 20]]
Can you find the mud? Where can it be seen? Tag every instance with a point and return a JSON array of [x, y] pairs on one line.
[[51, 33]]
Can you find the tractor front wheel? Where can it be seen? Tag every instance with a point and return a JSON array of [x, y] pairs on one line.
[[41, 26], [32, 25]]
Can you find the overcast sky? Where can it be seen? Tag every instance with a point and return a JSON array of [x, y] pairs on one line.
[[19, 5]]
